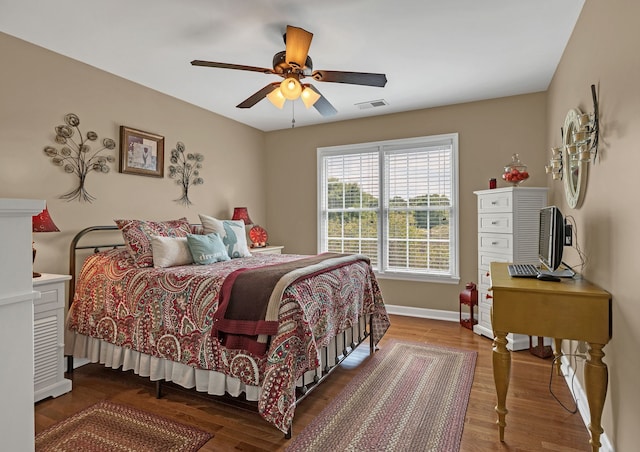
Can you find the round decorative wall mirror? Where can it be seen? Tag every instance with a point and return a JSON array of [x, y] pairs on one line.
[[575, 169]]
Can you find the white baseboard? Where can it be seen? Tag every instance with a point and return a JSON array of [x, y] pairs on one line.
[[77, 362], [422, 313], [581, 400], [573, 384], [516, 341]]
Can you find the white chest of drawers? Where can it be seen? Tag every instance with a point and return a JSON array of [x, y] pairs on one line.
[[508, 223]]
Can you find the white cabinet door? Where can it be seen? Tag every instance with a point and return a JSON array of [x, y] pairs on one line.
[[48, 337]]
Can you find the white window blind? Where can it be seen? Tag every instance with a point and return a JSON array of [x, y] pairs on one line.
[[412, 233], [352, 204]]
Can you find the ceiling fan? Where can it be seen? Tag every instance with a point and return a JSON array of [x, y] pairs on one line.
[[294, 64]]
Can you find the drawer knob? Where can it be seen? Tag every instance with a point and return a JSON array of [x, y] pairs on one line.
[[489, 297], [494, 243], [487, 274], [494, 222]]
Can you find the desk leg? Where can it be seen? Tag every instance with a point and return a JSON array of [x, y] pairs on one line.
[[557, 354], [501, 375], [596, 378]]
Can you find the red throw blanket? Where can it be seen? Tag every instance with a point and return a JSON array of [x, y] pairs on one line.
[[250, 297]]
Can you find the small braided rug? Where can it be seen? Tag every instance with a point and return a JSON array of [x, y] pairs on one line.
[[107, 426], [407, 397]]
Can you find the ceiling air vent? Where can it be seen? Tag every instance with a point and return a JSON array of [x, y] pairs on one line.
[[372, 104]]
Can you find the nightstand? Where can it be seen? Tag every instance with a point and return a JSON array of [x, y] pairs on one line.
[[48, 337], [267, 250]]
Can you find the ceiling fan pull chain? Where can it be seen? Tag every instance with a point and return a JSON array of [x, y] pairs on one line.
[[293, 114]]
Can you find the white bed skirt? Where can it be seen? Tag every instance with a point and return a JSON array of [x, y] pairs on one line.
[[209, 381]]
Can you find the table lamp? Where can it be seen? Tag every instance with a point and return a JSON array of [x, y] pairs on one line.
[[257, 234], [42, 223]]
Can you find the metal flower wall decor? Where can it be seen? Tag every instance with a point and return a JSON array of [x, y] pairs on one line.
[[77, 157], [185, 169]]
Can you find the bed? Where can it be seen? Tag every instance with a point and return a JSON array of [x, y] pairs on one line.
[[165, 323]]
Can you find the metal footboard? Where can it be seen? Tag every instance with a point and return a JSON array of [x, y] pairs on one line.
[[335, 353]]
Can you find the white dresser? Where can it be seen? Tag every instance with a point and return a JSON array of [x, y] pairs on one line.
[[48, 335], [508, 223]]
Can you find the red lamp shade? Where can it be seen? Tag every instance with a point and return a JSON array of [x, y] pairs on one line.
[[241, 213], [43, 222]]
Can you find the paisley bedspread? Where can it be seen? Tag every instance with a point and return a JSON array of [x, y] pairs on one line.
[[168, 312]]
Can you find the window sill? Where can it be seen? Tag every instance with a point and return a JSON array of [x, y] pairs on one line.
[[418, 277]]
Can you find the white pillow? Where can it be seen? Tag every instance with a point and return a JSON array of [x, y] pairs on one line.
[[170, 251], [232, 233]]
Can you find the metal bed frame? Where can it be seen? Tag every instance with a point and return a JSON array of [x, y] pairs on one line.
[[360, 331]]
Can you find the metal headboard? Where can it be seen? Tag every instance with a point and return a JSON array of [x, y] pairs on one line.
[[74, 248]]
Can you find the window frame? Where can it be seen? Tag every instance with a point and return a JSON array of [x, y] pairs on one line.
[[383, 148]]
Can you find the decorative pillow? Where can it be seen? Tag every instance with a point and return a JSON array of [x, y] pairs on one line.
[[170, 251], [207, 249], [197, 229], [232, 233], [137, 236]]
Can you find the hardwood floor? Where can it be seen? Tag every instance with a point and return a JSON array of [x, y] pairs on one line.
[[536, 422]]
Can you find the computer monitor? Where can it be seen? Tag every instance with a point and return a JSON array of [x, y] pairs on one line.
[[551, 237]]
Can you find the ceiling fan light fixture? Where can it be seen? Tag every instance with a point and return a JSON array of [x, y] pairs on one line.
[[290, 88], [309, 96], [276, 98]]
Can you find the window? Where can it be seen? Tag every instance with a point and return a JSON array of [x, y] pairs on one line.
[[395, 201]]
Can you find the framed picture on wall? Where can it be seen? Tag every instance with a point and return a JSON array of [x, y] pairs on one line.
[[141, 152]]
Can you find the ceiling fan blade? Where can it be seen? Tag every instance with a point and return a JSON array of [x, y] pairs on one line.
[[298, 42], [323, 106], [232, 66], [258, 96], [354, 78]]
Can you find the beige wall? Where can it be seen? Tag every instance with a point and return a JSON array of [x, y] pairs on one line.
[[489, 133], [603, 50], [39, 87]]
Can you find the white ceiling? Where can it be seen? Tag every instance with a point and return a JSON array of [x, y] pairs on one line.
[[434, 52]]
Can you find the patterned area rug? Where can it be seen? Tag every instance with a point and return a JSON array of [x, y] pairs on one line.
[[107, 426], [408, 397]]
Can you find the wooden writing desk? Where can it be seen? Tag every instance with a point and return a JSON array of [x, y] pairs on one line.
[[571, 309]]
